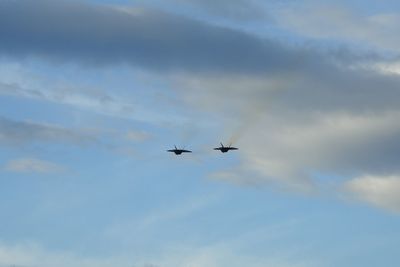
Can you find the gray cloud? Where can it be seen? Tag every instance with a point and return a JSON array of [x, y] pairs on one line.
[[241, 10], [142, 37], [21, 132], [323, 88], [292, 127]]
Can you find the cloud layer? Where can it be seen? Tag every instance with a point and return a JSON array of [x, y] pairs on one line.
[[297, 112], [141, 37]]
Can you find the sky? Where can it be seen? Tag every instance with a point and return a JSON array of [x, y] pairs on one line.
[[93, 93]]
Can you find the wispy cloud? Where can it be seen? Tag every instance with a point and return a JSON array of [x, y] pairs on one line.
[[138, 136], [129, 229], [89, 99], [214, 255], [24, 132], [31, 254], [84, 94], [32, 165]]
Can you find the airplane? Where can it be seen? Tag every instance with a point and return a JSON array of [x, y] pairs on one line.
[[179, 151], [225, 149]]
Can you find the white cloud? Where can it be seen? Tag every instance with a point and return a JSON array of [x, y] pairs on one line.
[[32, 165], [388, 68], [379, 191]]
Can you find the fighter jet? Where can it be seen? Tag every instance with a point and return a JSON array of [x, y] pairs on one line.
[[225, 149], [179, 151]]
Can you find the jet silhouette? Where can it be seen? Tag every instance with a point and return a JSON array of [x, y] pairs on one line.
[[225, 149], [179, 151]]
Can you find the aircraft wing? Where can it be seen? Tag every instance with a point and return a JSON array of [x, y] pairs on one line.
[[217, 148], [187, 151], [171, 150], [233, 148]]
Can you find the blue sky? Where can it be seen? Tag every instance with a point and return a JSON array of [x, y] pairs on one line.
[[93, 93]]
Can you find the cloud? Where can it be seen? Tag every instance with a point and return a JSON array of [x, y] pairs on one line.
[[380, 191], [32, 254], [81, 89], [289, 127], [240, 10], [378, 30], [148, 226], [293, 111], [90, 99], [138, 136], [147, 38], [23, 132], [32, 165], [331, 144], [216, 255]]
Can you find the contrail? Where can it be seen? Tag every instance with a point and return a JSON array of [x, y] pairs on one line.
[[245, 122]]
